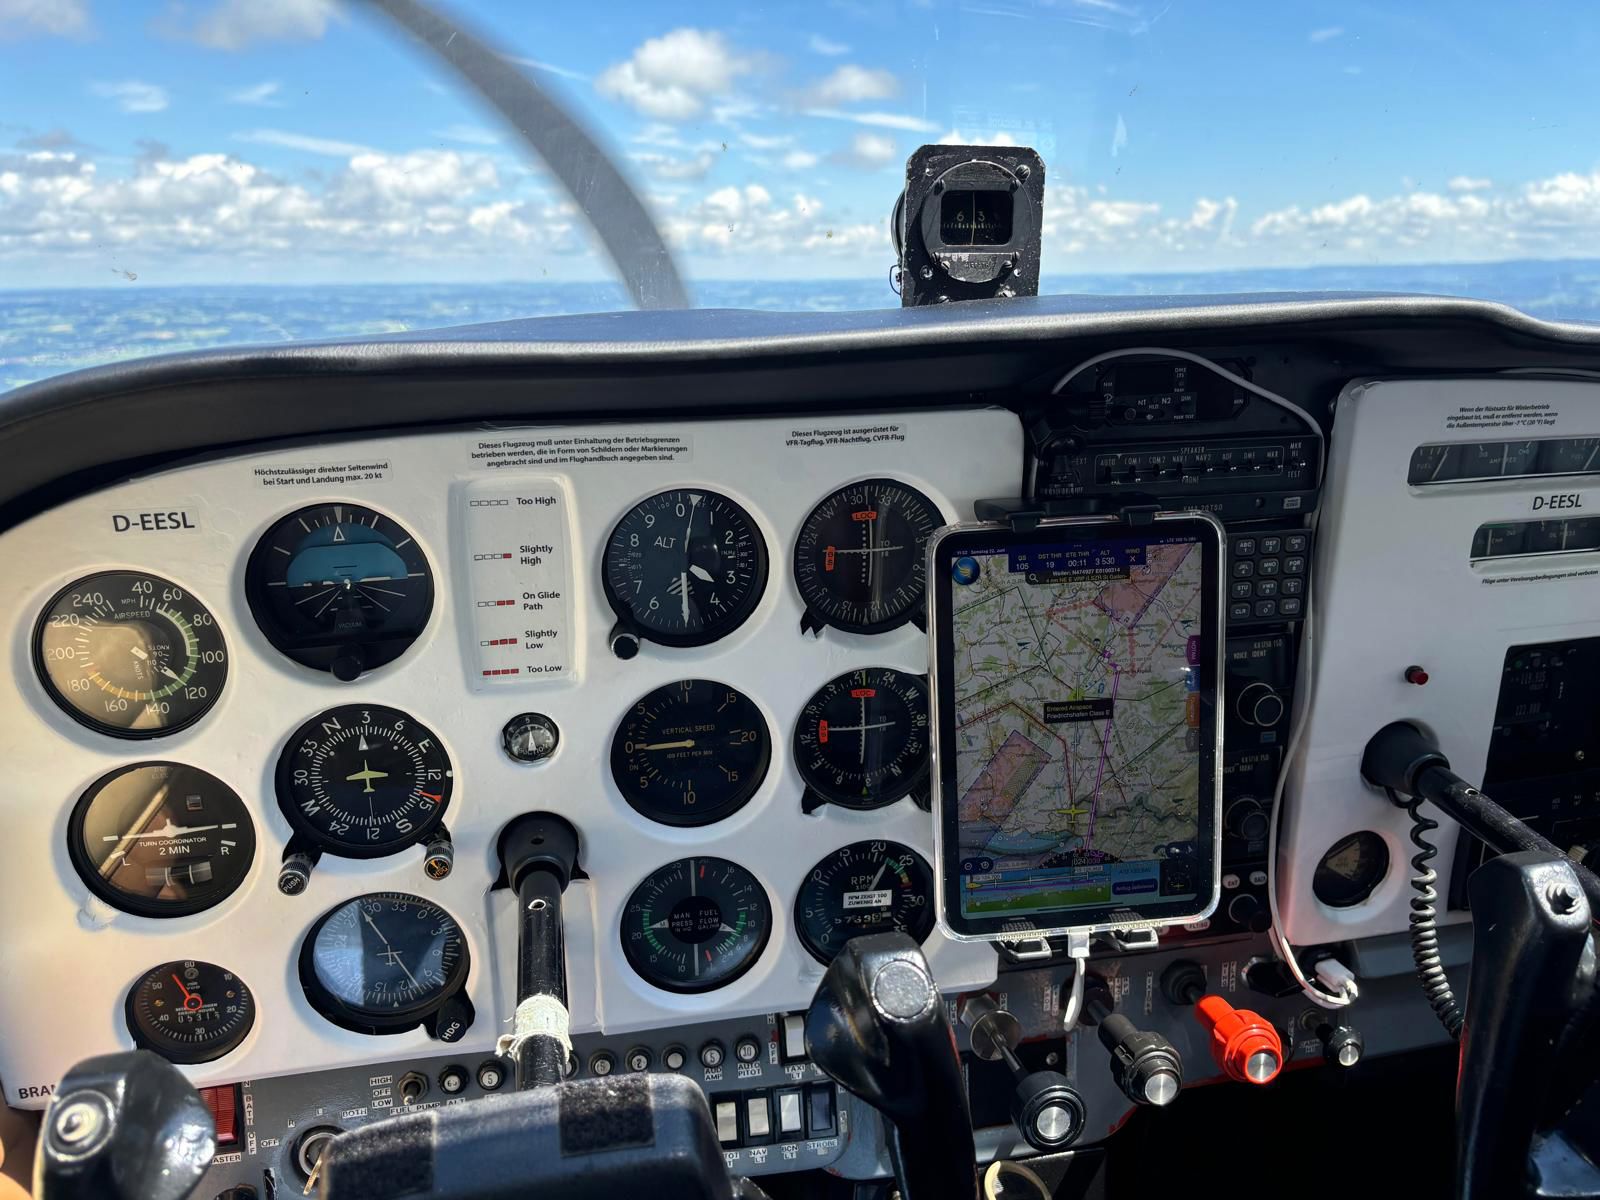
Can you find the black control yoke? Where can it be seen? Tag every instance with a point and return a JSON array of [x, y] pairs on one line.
[[878, 1026]]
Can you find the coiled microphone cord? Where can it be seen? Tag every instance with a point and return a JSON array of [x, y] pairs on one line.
[[1424, 919]]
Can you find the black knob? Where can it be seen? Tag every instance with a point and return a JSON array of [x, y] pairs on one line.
[[1047, 1110], [1144, 1064], [624, 642], [1259, 704], [1247, 820], [439, 857], [1341, 1045], [1245, 910], [1183, 982], [295, 874], [348, 666]]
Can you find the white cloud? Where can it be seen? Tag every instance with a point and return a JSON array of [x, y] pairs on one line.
[[260, 95], [64, 18], [300, 141], [468, 135], [133, 95], [376, 209], [868, 151], [851, 84], [1469, 183], [1318, 36], [735, 222], [999, 137], [672, 77], [762, 142], [826, 47], [235, 24], [800, 160], [880, 120]]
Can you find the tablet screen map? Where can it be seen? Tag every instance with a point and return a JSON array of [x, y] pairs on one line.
[[1077, 724]]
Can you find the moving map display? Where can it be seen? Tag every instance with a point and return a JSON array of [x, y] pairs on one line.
[[1078, 689]]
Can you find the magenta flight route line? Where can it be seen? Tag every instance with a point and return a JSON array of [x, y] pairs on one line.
[[1105, 745]]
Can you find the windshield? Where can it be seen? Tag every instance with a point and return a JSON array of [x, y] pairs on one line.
[[185, 173]]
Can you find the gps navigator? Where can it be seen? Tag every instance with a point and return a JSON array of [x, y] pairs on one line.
[[1077, 750]]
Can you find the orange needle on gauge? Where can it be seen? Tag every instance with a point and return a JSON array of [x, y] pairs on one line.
[[190, 1000]]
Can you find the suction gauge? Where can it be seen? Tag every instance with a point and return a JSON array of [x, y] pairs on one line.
[[859, 559], [339, 588], [190, 1012]]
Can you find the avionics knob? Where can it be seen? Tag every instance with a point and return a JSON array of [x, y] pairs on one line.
[[1341, 1045], [1245, 1044], [1258, 704], [1246, 819]]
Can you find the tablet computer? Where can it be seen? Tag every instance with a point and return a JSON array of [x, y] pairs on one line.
[[1076, 680]]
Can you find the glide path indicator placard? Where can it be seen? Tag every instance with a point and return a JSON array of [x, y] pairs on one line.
[[519, 566]]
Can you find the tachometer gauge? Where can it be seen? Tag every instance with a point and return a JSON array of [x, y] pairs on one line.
[[865, 887], [386, 963], [696, 924], [130, 654], [363, 781], [161, 839], [190, 1012], [859, 559], [691, 753], [862, 740], [684, 568], [340, 588]]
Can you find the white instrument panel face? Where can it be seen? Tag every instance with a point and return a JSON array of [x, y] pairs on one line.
[[513, 524], [1396, 584]]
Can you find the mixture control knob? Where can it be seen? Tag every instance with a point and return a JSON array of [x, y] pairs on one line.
[[1246, 819], [1244, 1044], [1144, 1064], [1341, 1045], [1259, 704]]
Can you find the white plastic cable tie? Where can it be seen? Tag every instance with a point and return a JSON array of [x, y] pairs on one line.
[[537, 1016]]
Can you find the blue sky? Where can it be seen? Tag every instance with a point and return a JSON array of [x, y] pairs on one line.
[[304, 141]]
